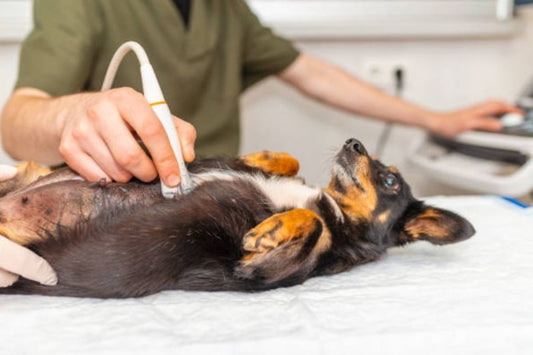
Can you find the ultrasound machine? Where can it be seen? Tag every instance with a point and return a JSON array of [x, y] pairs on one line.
[[487, 162]]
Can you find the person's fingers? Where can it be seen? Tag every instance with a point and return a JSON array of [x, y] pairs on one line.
[[123, 150], [7, 172], [91, 143], [22, 261], [486, 124], [7, 278], [156, 141], [81, 162], [111, 144], [97, 149], [482, 116], [140, 116], [495, 108], [187, 134]]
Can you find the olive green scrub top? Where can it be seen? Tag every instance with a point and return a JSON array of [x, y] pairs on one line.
[[202, 68]]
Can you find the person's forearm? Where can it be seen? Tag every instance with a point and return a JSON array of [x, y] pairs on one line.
[[332, 85], [31, 126]]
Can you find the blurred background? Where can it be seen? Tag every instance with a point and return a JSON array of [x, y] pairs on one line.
[[453, 53]]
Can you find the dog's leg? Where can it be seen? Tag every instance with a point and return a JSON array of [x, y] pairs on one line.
[[272, 163], [27, 173], [285, 244]]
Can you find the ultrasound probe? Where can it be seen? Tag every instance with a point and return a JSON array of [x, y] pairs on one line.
[[154, 95]]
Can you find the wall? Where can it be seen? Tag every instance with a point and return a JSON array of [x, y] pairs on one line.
[[8, 70], [441, 74]]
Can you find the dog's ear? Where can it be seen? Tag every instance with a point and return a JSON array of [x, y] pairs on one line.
[[435, 225]]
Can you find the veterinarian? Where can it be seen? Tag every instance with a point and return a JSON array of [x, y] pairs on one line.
[[205, 53]]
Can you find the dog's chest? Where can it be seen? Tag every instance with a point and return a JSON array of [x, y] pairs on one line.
[[283, 192]]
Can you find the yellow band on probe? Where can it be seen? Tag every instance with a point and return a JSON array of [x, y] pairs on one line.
[[158, 103]]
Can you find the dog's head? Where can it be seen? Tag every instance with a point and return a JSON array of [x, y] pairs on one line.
[[376, 195]]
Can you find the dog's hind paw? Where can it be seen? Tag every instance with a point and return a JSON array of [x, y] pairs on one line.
[[280, 229], [281, 245]]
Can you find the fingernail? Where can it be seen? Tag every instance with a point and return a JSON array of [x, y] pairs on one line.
[[173, 180], [49, 276], [191, 152], [188, 155]]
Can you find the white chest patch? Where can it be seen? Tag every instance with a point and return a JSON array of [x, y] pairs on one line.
[[283, 192], [287, 192]]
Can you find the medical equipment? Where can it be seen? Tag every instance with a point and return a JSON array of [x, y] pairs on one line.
[[154, 95], [488, 162]]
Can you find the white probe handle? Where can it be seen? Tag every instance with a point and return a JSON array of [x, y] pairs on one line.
[[153, 94]]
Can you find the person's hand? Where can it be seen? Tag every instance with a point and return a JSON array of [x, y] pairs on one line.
[[17, 260], [98, 139], [482, 117]]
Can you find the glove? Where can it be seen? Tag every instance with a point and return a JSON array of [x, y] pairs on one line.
[[7, 172], [17, 260]]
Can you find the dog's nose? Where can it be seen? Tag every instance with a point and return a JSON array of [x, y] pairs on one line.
[[355, 146]]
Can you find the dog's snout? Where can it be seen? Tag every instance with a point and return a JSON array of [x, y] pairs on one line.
[[355, 146]]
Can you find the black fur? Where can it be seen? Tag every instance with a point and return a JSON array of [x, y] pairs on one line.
[[196, 241]]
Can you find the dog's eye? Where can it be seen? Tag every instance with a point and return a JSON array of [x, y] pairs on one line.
[[390, 181]]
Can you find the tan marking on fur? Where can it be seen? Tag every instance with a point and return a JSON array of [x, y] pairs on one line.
[[280, 229], [393, 169], [26, 174], [324, 241], [357, 204], [430, 213], [383, 216], [424, 224], [17, 236], [31, 171], [273, 163]]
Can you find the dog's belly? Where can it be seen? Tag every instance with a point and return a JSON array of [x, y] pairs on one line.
[[191, 243], [36, 211], [120, 248]]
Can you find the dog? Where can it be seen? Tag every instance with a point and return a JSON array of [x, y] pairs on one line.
[[250, 224]]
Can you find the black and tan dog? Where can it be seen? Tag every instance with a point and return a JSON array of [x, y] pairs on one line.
[[249, 224]]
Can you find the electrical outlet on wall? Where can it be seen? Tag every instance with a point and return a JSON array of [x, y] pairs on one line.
[[382, 73]]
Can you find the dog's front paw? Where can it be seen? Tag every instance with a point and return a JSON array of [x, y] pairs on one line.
[[273, 163]]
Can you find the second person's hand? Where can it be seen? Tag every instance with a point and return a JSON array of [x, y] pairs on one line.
[[483, 116]]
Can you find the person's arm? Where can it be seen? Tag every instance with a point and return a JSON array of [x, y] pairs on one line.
[[334, 86], [94, 133]]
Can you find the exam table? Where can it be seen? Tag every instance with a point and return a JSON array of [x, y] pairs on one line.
[[474, 297]]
